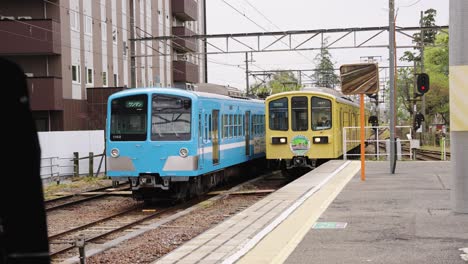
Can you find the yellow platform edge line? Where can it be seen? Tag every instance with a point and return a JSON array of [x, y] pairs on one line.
[[281, 241]]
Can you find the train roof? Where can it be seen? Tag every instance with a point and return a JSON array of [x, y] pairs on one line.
[[182, 92], [337, 95]]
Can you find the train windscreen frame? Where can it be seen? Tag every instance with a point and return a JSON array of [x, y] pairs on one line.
[[299, 113], [171, 118], [278, 114], [321, 113], [129, 118]]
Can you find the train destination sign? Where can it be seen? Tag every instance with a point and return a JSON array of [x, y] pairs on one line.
[[359, 78]]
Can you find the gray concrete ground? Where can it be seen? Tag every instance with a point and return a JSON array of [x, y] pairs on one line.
[[391, 218]]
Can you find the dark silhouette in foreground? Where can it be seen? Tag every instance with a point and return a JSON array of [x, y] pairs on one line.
[[23, 227]]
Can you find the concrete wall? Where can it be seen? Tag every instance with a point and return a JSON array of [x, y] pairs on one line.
[[57, 149]]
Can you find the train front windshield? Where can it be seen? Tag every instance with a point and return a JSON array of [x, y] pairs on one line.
[[128, 118], [171, 118]]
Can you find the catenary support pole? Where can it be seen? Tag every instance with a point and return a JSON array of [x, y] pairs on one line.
[[247, 73], [363, 135], [458, 107], [391, 58]]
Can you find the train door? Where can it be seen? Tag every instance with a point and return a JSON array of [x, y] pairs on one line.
[[201, 138], [247, 133], [347, 135], [215, 135]]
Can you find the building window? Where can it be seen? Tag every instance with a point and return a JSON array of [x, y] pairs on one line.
[[76, 78], [115, 80], [88, 26], [74, 21], [89, 76], [104, 78], [104, 31]]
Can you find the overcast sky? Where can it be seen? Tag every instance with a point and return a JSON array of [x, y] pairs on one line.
[[277, 15]]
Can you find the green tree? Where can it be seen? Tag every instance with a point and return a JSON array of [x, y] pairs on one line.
[[436, 64], [405, 84], [428, 20], [280, 82], [325, 75]]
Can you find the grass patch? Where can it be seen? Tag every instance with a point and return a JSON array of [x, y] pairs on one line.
[[434, 148], [76, 185]]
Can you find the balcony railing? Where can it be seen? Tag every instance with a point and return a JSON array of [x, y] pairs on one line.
[[30, 37], [45, 93], [185, 71], [183, 44], [186, 10]]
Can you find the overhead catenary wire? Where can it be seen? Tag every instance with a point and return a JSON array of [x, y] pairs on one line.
[[259, 12]]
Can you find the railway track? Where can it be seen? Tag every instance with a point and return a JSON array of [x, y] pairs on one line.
[[430, 155], [65, 241], [74, 199], [421, 154], [63, 244]]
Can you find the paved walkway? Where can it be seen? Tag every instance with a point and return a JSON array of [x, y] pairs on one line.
[[391, 218]]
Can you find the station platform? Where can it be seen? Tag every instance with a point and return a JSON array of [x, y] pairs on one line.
[[330, 216]]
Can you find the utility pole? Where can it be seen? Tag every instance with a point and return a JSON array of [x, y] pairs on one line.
[[423, 102], [132, 46], [205, 43], [299, 75], [247, 73], [247, 89], [391, 24]]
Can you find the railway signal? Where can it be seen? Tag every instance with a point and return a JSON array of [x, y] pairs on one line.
[[423, 83]]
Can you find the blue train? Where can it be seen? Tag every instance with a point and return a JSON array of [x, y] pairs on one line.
[[175, 144]]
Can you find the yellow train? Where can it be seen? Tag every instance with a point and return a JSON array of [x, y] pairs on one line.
[[305, 128]]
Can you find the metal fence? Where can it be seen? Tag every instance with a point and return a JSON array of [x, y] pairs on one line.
[[373, 136], [57, 168]]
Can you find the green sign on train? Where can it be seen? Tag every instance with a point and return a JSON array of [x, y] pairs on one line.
[[359, 78]]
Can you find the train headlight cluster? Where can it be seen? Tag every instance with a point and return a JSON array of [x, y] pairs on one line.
[[320, 140], [183, 152], [279, 140], [115, 152]]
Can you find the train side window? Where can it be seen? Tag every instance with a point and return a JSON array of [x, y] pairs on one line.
[[209, 127], [299, 115], [205, 127], [321, 113], [254, 122], [235, 125], [243, 126], [225, 126], [231, 125], [278, 114], [200, 129], [239, 126]]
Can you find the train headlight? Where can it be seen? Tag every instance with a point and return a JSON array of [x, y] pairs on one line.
[[320, 140], [115, 152], [183, 152], [279, 140]]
